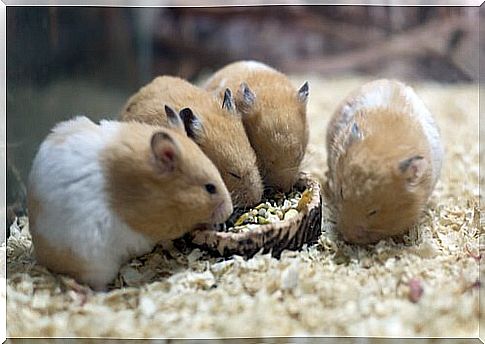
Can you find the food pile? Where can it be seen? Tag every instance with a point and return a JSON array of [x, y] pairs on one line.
[[278, 207]]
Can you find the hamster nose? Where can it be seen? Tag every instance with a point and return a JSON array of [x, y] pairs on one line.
[[251, 195], [355, 235], [256, 196], [222, 212], [281, 181], [290, 181], [283, 186], [359, 230]]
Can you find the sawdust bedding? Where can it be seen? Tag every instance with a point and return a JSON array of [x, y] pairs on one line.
[[426, 285]]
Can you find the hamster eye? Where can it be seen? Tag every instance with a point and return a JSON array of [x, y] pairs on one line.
[[373, 212], [210, 188], [234, 175]]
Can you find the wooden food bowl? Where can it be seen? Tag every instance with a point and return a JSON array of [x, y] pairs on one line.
[[291, 234]]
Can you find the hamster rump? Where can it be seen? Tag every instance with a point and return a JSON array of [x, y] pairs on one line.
[[77, 203], [274, 116], [384, 158], [212, 122]]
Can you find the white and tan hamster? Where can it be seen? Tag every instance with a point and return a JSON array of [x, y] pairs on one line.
[[101, 194], [274, 116], [212, 123], [384, 158]]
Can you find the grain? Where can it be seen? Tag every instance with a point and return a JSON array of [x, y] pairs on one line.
[[278, 207]]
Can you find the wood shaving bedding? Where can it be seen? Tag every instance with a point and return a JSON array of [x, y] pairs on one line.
[[426, 285]]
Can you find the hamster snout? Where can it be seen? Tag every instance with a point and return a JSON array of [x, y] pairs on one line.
[[356, 234], [359, 234], [222, 212], [283, 179], [246, 188]]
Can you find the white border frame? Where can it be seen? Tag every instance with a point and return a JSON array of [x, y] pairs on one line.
[[162, 3]]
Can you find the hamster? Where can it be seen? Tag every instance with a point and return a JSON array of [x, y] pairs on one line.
[[384, 158], [274, 116], [212, 123], [99, 195]]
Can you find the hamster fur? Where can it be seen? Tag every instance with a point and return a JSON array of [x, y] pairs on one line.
[[212, 123], [384, 158], [274, 116], [101, 194]]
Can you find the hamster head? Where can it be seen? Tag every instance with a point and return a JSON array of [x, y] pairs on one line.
[[382, 181], [147, 107], [276, 124], [161, 183], [222, 137], [211, 122]]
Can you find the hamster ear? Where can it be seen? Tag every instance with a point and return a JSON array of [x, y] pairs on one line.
[[245, 98], [303, 93], [165, 152], [228, 102], [192, 123], [174, 120], [412, 169]]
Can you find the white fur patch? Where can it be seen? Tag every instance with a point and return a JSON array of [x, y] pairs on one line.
[[377, 95], [256, 65], [70, 184], [222, 83]]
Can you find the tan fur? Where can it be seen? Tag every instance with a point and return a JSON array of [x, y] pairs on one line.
[[58, 259], [367, 173], [55, 258], [161, 206], [276, 126], [223, 138]]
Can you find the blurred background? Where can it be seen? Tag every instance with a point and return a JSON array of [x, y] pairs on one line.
[[66, 61]]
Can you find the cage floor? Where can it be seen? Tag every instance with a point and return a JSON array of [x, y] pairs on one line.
[[331, 288]]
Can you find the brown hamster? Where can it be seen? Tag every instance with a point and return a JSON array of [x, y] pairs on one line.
[[212, 123], [274, 116], [384, 159], [99, 195]]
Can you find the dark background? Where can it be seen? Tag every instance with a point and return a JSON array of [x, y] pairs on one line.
[[66, 61]]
